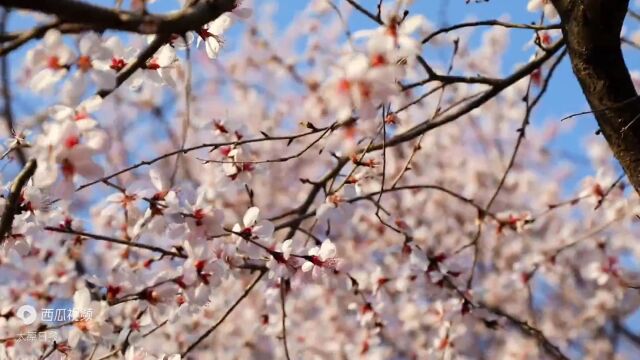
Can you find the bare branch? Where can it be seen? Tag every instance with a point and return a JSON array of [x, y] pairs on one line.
[[488, 23], [283, 290], [115, 241], [226, 314], [212, 146]]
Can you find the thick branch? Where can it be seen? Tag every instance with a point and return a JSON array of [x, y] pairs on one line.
[[101, 18], [591, 29], [479, 101], [13, 202], [19, 39]]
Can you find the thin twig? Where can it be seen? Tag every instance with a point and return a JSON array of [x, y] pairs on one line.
[[203, 146], [226, 314], [489, 23], [284, 318], [115, 241]]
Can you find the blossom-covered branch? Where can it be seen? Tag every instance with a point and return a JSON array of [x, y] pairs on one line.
[[101, 18], [12, 202]]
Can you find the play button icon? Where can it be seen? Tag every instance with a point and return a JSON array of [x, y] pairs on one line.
[[27, 314]]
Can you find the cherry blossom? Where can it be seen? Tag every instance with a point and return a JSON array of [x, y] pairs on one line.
[[81, 113], [322, 259], [544, 5], [89, 316], [200, 273], [237, 166], [337, 208], [202, 217], [15, 142], [602, 271], [253, 229], [359, 85], [158, 69], [211, 35], [281, 263], [395, 39], [72, 155], [49, 61], [95, 61]]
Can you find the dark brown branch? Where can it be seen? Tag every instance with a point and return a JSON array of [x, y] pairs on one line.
[[22, 38], [527, 329], [13, 202], [364, 11], [592, 31], [276, 160], [634, 338], [101, 18], [477, 102], [115, 241], [295, 223], [142, 293], [608, 191], [488, 23], [140, 61]]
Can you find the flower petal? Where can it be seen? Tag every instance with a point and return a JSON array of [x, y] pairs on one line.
[[327, 250], [251, 216], [307, 266]]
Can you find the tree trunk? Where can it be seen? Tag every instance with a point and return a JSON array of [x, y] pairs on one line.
[[591, 29]]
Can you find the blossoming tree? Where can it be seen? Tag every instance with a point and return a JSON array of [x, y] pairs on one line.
[[174, 192]]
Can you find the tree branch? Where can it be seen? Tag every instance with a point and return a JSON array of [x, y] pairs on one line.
[[101, 18], [6, 93], [116, 241], [592, 32], [13, 202], [490, 94], [142, 58], [226, 314], [488, 23]]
